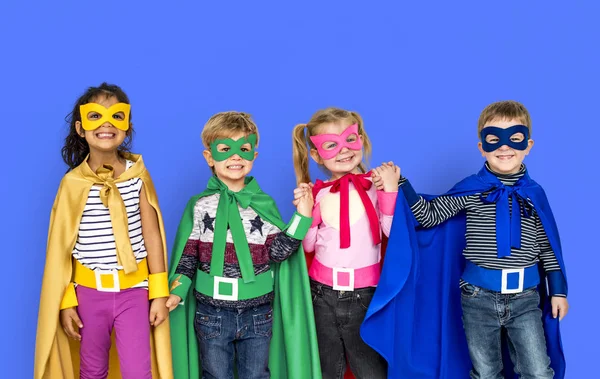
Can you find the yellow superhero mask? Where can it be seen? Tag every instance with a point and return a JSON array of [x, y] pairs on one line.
[[93, 115]]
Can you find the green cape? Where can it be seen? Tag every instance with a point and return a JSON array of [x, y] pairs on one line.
[[294, 352]]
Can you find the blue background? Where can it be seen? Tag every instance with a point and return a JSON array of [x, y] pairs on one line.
[[419, 73]]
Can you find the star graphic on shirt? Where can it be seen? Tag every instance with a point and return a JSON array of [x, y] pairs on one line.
[[208, 223], [257, 224]]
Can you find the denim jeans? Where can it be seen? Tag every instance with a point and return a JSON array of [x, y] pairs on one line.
[[227, 333], [338, 316], [486, 313]]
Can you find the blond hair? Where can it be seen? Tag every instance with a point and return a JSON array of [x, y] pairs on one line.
[[227, 124], [504, 110], [301, 142]]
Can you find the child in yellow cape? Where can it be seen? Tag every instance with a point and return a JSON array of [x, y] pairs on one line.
[[106, 257]]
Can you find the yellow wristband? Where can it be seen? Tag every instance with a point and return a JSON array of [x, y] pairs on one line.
[[158, 285], [69, 299]]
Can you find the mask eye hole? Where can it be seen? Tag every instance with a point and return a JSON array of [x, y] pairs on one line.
[[222, 148], [490, 138], [92, 116], [120, 116], [517, 137]]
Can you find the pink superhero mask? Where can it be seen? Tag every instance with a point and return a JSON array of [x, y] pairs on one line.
[[329, 145]]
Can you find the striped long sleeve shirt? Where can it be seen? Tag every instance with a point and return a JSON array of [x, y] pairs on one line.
[[480, 234]]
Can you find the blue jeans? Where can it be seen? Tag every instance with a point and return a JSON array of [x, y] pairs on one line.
[[338, 316], [227, 333], [486, 313]]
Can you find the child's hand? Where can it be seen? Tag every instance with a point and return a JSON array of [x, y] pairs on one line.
[[303, 199], [560, 307], [67, 318], [386, 176], [158, 311], [172, 302]]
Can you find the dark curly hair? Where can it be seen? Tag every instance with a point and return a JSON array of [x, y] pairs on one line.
[[76, 147]]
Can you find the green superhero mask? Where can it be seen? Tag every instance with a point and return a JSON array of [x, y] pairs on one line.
[[235, 147]]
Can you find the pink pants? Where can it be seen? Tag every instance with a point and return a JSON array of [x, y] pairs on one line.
[[127, 311]]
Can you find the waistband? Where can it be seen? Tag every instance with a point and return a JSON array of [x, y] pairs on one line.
[[505, 281], [345, 279]]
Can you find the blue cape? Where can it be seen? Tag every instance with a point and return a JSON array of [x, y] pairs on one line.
[[414, 320]]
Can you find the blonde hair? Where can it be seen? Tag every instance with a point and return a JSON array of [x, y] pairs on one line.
[[504, 110], [301, 142], [226, 125]]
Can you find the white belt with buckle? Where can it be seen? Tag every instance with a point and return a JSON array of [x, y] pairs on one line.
[[234, 288], [504, 285], [339, 287], [114, 273]]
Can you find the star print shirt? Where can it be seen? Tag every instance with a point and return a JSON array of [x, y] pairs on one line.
[[267, 244]]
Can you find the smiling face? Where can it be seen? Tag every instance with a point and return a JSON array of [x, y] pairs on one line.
[[106, 137], [505, 159], [232, 169], [338, 148]]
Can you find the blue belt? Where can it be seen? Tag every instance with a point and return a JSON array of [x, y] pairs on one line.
[[503, 281]]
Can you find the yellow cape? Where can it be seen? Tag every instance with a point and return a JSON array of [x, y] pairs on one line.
[[56, 355]]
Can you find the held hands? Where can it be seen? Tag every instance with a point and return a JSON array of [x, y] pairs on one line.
[[303, 199], [158, 311], [172, 302], [386, 176], [560, 307], [67, 318]]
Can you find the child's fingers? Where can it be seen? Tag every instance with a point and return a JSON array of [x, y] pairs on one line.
[[563, 311], [152, 317], [77, 320], [71, 332], [159, 320], [554, 310]]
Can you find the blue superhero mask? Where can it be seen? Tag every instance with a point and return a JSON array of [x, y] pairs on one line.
[[504, 136]]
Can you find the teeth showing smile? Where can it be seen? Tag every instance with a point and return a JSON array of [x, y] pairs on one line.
[[345, 160], [235, 167], [504, 157], [105, 135]]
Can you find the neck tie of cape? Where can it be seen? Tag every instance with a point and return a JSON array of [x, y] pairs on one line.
[[342, 185], [228, 214], [508, 218], [111, 198]]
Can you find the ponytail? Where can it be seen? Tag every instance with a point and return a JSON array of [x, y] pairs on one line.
[[300, 154]]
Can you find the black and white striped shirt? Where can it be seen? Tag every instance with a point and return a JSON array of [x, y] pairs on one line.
[[480, 234], [95, 246]]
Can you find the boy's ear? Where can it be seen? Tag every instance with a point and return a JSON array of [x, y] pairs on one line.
[[209, 159], [480, 147], [255, 154], [529, 146], [314, 154]]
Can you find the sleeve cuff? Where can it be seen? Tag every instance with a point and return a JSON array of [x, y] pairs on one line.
[[69, 299], [298, 226], [180, 285], [556, 283], [158, 285], [387, 202], [409, 193]]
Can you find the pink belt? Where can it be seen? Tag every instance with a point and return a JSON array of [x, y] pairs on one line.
[[345, 279]]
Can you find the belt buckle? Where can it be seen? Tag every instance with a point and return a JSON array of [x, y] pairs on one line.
[[115, 274], [505, 272], [338, 287], [234, 288]]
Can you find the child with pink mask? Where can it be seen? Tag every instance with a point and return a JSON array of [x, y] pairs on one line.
[[349, 217]]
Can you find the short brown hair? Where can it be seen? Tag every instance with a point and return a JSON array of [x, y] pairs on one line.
[[504, 110], [227, 124]]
